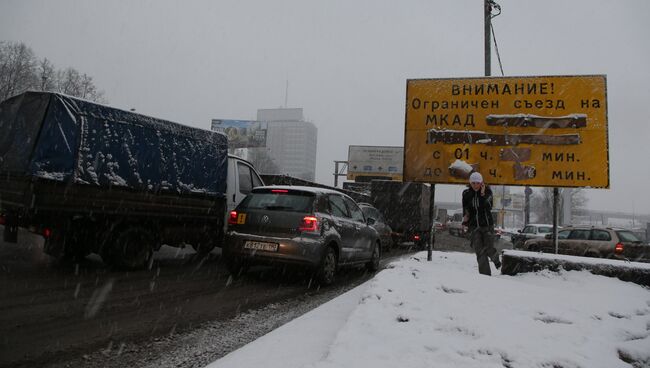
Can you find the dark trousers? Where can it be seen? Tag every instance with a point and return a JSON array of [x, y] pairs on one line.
[[481, 239]]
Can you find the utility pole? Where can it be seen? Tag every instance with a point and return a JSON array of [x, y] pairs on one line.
[[487, 19], [487, 15]]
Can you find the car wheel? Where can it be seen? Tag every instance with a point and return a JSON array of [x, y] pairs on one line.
[[389, 244], [327, 268], [131, 248], [373, 265], [234, 265]]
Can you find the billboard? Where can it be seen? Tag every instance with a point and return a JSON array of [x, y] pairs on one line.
[[538, 131], [242, 133], [375, 161]]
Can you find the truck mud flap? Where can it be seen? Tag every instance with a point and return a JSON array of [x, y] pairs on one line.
[[10, 230]]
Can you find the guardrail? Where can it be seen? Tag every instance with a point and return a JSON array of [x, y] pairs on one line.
[[514, 262]]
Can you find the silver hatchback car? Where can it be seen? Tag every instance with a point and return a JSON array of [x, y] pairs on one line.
[[319, 228]]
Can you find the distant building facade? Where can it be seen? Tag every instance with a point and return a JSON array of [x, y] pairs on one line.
[[280, 141], [290, 142]]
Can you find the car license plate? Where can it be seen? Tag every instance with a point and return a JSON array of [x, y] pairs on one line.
[[257, 245]]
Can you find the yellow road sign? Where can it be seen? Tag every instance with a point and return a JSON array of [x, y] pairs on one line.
[[538, 131]]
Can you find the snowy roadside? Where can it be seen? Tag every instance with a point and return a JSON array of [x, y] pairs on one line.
[[419, 313]]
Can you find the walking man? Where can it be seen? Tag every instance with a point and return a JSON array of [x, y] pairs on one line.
[[477, 215]]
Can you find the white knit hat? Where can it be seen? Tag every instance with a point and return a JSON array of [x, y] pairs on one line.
[[476, 178]]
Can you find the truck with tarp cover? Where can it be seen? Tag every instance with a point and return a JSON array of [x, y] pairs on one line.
[[95, 179], [406, 207]]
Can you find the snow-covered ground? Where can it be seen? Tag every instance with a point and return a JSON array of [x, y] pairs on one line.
[[444, 314]]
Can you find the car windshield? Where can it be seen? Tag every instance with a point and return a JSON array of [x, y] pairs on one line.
[[627, 236], [284, 201]]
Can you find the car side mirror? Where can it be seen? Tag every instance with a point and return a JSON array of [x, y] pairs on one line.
[[371, 221], [519, 231]]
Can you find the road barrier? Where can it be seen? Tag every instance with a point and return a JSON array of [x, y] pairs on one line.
[[514, 262]]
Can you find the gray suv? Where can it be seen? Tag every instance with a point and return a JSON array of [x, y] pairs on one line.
[[318, 228], [593, 241]]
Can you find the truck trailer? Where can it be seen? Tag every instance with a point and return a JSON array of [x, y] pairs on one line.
[[91, 178]]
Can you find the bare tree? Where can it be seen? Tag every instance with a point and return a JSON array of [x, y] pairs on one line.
[[21, 70], [88, 89], [69, 82], [262, 160], [46, 75], [542, 204], [17, 69]]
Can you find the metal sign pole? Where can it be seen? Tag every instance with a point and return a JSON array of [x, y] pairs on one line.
[[432, 236], [556, 199], [338, 173]]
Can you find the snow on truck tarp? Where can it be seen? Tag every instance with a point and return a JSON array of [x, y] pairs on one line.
[[61, 138]]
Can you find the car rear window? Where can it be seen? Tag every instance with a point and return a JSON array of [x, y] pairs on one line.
[[294, 201], [627, 236]]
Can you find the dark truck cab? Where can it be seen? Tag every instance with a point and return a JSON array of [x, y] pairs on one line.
[[405, 205], [95, 179]]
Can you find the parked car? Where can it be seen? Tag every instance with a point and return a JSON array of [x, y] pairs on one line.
[[315, 227], [457, 229], [379, 223], [530, 231], [439, 227], [599, 242]]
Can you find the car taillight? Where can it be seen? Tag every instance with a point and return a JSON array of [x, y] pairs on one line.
[[232, 219], [618, 249], [416, 237], [47, 232], [309, 223]]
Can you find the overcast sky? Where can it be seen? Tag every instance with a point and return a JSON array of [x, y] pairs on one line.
[[346, 62]]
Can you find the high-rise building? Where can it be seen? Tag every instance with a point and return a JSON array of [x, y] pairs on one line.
[[290, 142]]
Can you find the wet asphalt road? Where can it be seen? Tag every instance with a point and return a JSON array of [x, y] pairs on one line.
[[86, 314]]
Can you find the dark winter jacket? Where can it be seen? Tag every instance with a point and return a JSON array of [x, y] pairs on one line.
[[478, 207]]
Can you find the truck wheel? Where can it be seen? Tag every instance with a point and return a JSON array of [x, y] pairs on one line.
[[373, 265], [326, 270], [131, 248], [203, 249], [74, 252]]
